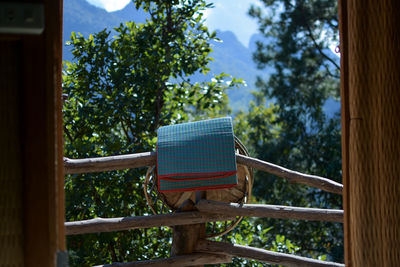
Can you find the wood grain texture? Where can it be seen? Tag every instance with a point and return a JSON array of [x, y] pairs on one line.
[[40, 114], [118, 162], [261, 255], [292, 176], [373, 182], [185, 237], [99, 225], [192, 259], [345, 118], [38, 61], [59, 131], [270, 211]]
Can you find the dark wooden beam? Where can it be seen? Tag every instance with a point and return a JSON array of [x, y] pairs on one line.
[[345, 118], [37, 85], [11, 204]]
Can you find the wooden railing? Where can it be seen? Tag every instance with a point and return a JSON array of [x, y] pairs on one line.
[[206, 251], [149, 158]]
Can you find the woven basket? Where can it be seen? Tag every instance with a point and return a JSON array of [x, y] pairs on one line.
[[171, 201]]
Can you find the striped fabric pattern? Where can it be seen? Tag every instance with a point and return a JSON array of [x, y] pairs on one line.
[[196, 156]]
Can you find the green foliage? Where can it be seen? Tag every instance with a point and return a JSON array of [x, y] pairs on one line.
[[120, 90], [251, 232], [293, 131]]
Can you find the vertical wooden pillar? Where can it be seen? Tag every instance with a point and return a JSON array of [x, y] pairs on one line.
[[371, 131], [344, 96], [185, 237], [42, 140], [11, 206], [31, 135]]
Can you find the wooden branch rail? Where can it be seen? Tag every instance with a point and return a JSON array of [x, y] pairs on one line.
[[193, 259], [270, 211], [261, 255], [209, 211], [100, 225], [111, 163], [74, 166], [292, 176]]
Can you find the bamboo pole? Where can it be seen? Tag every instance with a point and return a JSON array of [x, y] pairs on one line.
[[192, 259], [261, 255], [270, 211], [100, 225], [75, 166]]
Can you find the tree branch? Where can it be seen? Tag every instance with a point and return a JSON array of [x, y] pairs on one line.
[[310, 34]]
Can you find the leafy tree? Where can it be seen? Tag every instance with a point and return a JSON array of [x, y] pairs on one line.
[[294, 131], [120, 90], [252, 233]]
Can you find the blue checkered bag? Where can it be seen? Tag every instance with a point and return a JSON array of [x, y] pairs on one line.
[[196, 156]]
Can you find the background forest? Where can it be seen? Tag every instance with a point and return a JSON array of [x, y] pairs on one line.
[[124, 83]]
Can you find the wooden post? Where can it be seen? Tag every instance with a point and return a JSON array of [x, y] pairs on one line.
[[30, 74], [345, 118], [186, 237], [371, 131], [11, 212]]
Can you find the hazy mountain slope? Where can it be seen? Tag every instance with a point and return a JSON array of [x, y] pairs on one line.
[[235, 59], [80, 16], [230, 55]]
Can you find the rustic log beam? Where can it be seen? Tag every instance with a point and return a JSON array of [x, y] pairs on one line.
[[270, 211], [292, 176], [100, 225], [261, 255], [111, 163], [74, 166], [193, 259]]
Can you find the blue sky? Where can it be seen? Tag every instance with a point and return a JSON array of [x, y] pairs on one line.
[[227, 15]]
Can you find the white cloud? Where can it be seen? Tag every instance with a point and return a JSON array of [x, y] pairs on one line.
[[231, 15], [110, 5], [227, 15]]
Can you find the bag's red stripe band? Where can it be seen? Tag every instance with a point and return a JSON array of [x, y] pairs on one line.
[[188, 183], [199, 188], [217, 175]]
